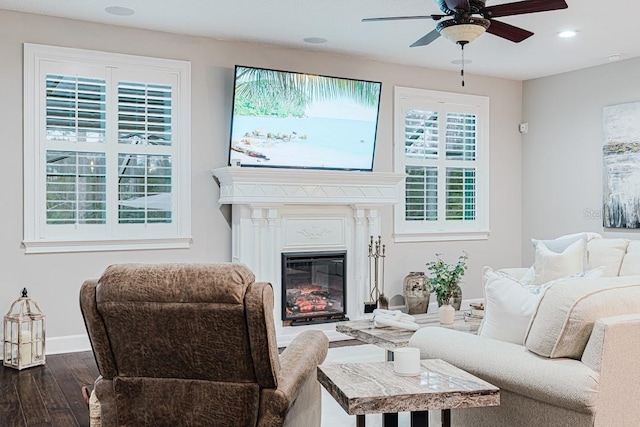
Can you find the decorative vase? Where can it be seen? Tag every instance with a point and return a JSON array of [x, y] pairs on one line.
[[456, 298], [416, 297], [447, 313]]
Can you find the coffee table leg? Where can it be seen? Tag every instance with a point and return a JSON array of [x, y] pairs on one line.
[[446, 418], [360, 421], [420, 419], [389, 420]]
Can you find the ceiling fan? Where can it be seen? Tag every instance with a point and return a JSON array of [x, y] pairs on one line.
[[468, 19]]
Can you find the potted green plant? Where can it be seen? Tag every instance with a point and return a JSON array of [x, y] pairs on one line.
[[444, 279]]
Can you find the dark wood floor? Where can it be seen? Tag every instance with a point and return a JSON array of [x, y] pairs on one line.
[[48, 395], [51, 395]]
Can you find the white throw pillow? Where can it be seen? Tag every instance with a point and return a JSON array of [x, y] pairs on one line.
[[509, 307], [607, 252], [550, 265]]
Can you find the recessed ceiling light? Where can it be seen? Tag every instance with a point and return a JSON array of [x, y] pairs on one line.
[[615, 57], [461, 61], [119, 11], [315, 40], [567, 34]]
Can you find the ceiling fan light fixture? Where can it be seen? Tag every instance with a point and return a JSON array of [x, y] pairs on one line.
[[463, 31]]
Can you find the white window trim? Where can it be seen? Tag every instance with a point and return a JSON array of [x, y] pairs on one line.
[[403, 230], [33, 241]]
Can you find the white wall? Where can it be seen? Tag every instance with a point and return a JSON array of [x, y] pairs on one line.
[[54, 279], [562, 153]]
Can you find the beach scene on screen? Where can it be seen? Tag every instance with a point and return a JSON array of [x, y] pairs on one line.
[[284, 119]]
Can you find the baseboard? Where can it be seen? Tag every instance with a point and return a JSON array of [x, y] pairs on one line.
[[68, 344]]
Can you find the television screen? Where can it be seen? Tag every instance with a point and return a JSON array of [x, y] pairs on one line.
[[284, 119]]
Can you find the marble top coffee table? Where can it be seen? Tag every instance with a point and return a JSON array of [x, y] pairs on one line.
[[391, 338], [373, 388]]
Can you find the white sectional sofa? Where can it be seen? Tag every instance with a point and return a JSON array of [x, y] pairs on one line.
[[578, 363]]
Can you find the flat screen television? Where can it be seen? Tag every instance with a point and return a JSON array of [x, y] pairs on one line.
[[284, 119]]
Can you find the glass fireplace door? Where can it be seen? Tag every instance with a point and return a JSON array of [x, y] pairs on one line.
[[313, 287]]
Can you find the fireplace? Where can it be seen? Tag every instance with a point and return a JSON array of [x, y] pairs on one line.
[[288, 211], [313, 287]]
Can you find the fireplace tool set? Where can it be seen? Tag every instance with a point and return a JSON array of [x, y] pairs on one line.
[[376, 276]]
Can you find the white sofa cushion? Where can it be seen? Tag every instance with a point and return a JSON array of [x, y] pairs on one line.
[[631, 261], [508, 307], [551, 265], [565, 382], [608, 253], [564, 318]]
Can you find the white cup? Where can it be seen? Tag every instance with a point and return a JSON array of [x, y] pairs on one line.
[[406, 361]]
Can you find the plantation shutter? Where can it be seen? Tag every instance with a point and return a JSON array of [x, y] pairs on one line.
[[106, 151], [440, 149], [441, 144], [461, 144], [421, 193], [144, 113], [75, 108], [461, 194], [75, 116], [421, 134], [144, 179]]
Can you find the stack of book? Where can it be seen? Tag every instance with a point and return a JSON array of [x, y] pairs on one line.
[[476, 314]]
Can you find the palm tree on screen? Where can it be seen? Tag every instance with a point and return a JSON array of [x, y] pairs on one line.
[[278, 93]]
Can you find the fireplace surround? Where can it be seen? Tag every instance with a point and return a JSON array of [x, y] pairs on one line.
[[276, 211]]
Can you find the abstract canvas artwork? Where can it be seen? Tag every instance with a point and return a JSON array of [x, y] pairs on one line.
[[621, 174]]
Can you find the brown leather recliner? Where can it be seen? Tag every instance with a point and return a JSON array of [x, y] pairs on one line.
[[195, 345]]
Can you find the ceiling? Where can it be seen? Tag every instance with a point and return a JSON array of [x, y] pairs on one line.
[[604, 29]]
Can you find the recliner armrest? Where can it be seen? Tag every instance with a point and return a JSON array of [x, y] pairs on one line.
[[298, 365], [299, 359]]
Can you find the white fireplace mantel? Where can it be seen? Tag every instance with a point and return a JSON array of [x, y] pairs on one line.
[[245, 185], [295, 210]]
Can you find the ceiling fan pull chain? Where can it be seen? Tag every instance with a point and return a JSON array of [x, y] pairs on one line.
[[462, 65]]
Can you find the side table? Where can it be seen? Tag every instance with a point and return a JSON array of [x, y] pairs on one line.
[[373, 388]]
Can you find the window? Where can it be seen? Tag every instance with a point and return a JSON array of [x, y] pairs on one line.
[[441, 144], [106, 143]]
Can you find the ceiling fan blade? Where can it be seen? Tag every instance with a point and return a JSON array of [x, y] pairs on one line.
[[425, 40], [520, 7], [458, 4], [508, 31], [399, 18]]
